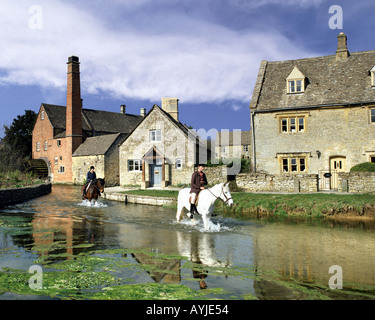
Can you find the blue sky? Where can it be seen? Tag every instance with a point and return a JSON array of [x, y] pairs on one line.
[[134, 52]]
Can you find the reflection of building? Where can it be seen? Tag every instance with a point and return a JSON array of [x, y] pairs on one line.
[[305, 253], [172, 268]]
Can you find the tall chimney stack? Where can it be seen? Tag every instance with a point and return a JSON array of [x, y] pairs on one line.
[[143, 112], [74, 104], [342, 52], [170, 105]]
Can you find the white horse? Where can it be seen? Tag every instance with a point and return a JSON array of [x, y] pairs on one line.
[[206, 202]]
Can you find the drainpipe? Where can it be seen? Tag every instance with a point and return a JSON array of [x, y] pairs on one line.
[[253, 140]]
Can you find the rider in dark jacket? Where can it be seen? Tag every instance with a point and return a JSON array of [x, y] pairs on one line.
[[198, 181], [90, 178]]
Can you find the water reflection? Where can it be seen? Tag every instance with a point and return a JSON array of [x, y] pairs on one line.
[[58, 227]]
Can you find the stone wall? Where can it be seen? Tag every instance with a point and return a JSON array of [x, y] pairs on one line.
[[216, 175], [356, 182], [19, 195], [253, 182]]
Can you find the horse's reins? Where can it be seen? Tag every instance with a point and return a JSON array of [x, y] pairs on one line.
[[219, 197]]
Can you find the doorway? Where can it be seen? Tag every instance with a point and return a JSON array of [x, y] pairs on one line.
[[337, 164]]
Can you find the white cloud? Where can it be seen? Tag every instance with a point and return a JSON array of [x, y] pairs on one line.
[[195, 60]]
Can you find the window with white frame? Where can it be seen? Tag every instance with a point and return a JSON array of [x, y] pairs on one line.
[[373, 78], [292, 124], [179, 164], [56, 160], [155, 135], [42, 115], [245, 148], [134, 165], [37, 146], [45, 145], [293, 164]]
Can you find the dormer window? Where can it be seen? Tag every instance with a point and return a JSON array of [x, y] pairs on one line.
[[296, 81], [373, 76]]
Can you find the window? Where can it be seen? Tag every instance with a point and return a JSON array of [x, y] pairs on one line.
[[245, 148], [155, 135], [222, 149], [42, 115], [295, 86], [37, 146], [373, 76], [372, 159], [45, 145], [179, 164], [372, 115], [58, 143], [134, 165], [293, 164], [296, 81], [292, 124], [62, 169], [56, 160]]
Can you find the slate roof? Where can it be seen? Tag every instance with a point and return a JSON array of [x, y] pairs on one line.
[[99, 121], [98, 145], [328, 82]]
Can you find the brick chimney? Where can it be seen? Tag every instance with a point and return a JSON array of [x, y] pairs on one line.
[[342, 52], [170, 105], [74, 105]]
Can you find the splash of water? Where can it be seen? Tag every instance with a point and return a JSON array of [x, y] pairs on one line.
[[199, 225], [87, 203]]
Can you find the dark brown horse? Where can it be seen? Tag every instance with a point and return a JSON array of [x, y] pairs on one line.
[[93, 192]]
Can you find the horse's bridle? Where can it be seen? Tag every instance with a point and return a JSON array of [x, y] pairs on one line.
[[219, 197]]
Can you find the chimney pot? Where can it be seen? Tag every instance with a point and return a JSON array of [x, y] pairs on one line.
[[143, 112], [123, 109]]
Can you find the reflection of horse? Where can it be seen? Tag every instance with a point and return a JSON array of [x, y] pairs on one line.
[[94, 190], [200, 249], [206, 203]]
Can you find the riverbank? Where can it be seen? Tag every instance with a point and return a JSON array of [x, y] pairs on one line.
[[260, 205], [13, 196]]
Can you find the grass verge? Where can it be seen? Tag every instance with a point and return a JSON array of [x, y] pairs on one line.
[[257, 205]]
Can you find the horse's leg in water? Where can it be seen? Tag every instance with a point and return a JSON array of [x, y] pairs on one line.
[[180, 211], [205, 220]]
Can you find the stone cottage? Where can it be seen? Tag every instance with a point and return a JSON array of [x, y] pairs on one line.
[[233, 144], [314, 115], [61, 130], [161, 150]]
